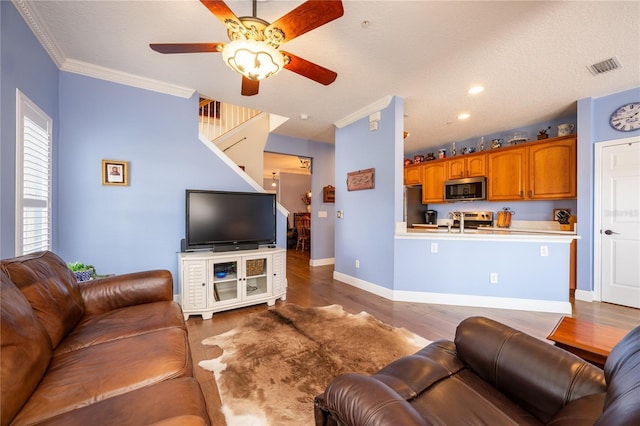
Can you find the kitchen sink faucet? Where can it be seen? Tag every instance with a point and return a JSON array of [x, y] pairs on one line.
[[460, 215]]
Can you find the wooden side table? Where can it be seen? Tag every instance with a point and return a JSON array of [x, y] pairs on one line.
[[591, 342]]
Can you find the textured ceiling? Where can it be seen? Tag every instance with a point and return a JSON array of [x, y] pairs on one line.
[[530, 56]]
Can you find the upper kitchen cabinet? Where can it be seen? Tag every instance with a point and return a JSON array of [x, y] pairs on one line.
[[413, 174], [467, 166], [552, 170], [507, 175], [433, 176], [537, 171]]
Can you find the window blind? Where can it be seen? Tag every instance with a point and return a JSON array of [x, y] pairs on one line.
[[34, 181]]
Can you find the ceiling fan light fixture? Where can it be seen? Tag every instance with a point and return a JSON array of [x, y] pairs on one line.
[[256, 60]]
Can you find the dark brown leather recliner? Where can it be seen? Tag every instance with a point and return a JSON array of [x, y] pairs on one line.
[[492, 375]]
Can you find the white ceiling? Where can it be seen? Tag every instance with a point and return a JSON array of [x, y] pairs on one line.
[[530, 56]]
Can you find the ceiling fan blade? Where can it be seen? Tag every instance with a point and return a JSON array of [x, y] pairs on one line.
[[310, 70], [221, 11], [185, 47], [307, 16], [249, 87]]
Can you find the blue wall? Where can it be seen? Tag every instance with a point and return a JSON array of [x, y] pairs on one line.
[[323, 170], [367, 229], [26, 66], [116, 229], [137, 227], [593, 127]]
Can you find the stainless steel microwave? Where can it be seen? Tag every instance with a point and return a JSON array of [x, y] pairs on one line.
[[466, 189]]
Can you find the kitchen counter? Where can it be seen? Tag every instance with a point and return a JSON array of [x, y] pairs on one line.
[[523, 231], [526, 267]]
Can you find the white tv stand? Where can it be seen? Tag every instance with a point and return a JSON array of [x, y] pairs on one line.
[[213, 282]]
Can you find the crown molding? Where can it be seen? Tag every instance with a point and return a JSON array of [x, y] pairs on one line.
[[103, 73], [46, 39], [35, 22], [378, 105]]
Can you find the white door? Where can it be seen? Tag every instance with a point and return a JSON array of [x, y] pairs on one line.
[[620, 223]]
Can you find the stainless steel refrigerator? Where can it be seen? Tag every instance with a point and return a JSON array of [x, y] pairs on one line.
[[414, 210]]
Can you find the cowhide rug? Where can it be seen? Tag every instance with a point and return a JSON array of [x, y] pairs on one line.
[[274, 364]]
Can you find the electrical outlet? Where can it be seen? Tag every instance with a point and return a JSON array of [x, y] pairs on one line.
[[493, 278], [434, 247], [544, 251], [357, 263]]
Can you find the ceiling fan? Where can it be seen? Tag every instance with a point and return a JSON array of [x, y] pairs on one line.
[[253, 50]]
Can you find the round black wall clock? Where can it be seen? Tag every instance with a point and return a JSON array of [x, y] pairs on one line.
[[626, 118]]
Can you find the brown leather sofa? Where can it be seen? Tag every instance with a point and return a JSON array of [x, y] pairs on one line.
[[490, 375], [105, 352]]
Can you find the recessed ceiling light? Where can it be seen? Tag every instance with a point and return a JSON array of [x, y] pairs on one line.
[[304, 116], [464, 116], [475, 90]]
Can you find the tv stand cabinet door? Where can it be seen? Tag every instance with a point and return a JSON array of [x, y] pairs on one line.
[[194, 286], [280, 274]]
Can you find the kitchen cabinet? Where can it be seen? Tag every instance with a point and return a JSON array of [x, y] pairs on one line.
[[212, 282], [552, 170], [413, 174], [470, 165], [507, 176], [433, 176], [536, 171]]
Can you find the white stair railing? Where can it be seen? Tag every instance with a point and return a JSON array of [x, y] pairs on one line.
[[217, 118]]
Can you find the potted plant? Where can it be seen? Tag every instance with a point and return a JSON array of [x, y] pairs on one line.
[[81, 271]]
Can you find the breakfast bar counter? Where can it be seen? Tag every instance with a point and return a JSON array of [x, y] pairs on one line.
[[491, 234], [521, 268]]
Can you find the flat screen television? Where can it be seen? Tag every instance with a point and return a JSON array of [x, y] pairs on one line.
[[228, 221]]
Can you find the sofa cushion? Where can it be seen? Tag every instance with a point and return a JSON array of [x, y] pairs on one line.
[[411, 375], [465, 398], [95, 373], [179, 400], [580, 412], [123, 322], [508, 359], [119, 291], [51, 289], [26, 350]]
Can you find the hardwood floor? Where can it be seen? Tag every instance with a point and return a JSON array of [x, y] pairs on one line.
[[315, 286]]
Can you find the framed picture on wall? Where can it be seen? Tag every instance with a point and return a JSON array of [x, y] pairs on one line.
[[362, 179], [115, 172], [329, 194]]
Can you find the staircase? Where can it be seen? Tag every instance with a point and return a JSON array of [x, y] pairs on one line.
[[217, 119]]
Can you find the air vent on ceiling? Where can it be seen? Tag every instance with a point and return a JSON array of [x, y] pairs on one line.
[[605, 66]]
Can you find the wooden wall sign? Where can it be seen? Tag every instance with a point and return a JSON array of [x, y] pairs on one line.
[[362, 179], [329, 194]]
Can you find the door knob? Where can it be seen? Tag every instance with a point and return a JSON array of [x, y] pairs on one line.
[[610, 232]]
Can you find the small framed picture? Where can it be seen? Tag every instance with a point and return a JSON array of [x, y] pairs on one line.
[[115, 172]]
